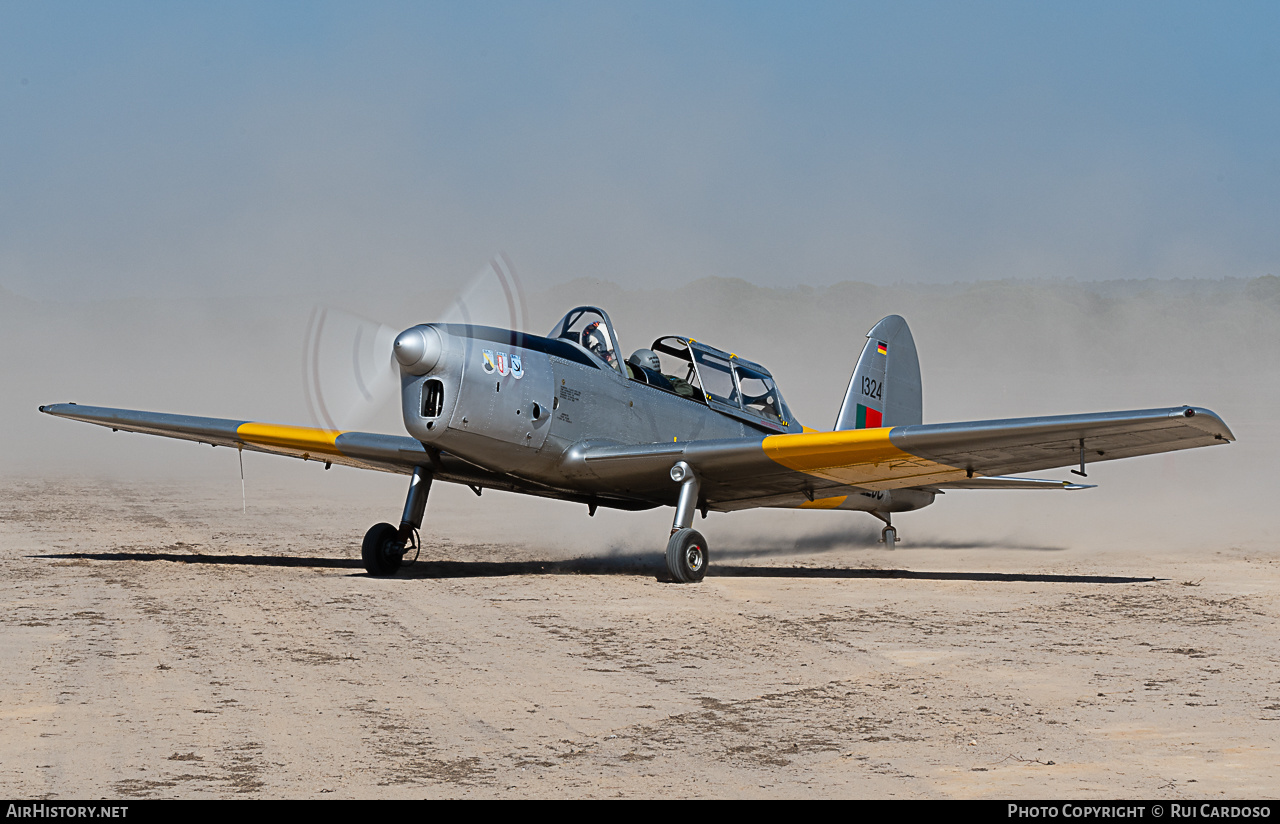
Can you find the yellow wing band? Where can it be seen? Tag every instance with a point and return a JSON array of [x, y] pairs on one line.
[[290, 438], [825, 503], [860, 457], [808, 451]]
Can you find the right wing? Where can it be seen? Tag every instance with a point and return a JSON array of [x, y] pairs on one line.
[[363, 450]]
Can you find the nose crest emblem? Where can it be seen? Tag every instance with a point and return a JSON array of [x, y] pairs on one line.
[[504, 363]]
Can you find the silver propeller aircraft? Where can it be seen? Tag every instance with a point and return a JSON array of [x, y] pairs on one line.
[[680, 424]]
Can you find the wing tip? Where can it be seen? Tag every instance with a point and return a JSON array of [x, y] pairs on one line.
[[1206, 420]]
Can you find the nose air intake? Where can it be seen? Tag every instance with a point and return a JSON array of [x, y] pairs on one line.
[[418, 349]]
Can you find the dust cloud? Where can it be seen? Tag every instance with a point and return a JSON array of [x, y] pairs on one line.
[[1111, 641], [990, 349]]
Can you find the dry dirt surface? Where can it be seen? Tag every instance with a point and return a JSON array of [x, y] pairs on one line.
[[159, 643]]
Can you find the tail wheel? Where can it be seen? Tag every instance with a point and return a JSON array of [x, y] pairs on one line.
[[889, 537], [687, 556], [383, 550]]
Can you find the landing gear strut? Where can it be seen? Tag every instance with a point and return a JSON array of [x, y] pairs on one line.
[[686, 549], [384, 545], [888, 535]]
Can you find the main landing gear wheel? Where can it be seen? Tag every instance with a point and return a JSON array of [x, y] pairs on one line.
[[383, 550], [687, 556], [888, 537]]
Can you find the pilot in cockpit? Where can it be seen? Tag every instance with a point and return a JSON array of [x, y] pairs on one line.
[[595, 340]]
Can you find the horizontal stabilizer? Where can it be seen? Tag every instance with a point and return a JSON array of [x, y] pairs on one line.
[[1010, 482]]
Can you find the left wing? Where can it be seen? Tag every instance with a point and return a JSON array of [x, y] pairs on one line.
[[825, 464]]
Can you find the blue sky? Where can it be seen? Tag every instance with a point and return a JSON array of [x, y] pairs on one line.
[[185, 149]]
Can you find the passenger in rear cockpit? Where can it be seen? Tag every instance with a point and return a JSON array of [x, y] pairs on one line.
[[646, 363], [646, 359]]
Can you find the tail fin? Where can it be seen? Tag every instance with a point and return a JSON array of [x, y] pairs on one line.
[[885, 388]]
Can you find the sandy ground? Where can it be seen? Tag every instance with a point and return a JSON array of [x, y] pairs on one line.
[[159, 643]]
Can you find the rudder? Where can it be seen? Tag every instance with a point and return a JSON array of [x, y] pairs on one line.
[[885, 388]]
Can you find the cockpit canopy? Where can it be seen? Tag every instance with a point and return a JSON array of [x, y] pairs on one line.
[[721, 380], [590, 328], [728, 383]]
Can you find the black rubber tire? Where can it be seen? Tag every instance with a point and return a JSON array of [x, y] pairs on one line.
[[382, 550], [687, 556]]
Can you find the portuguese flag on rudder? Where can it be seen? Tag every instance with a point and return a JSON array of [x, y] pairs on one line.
[[868, 418]]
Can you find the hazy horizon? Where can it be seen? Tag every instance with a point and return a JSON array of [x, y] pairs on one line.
[[242, 149]]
